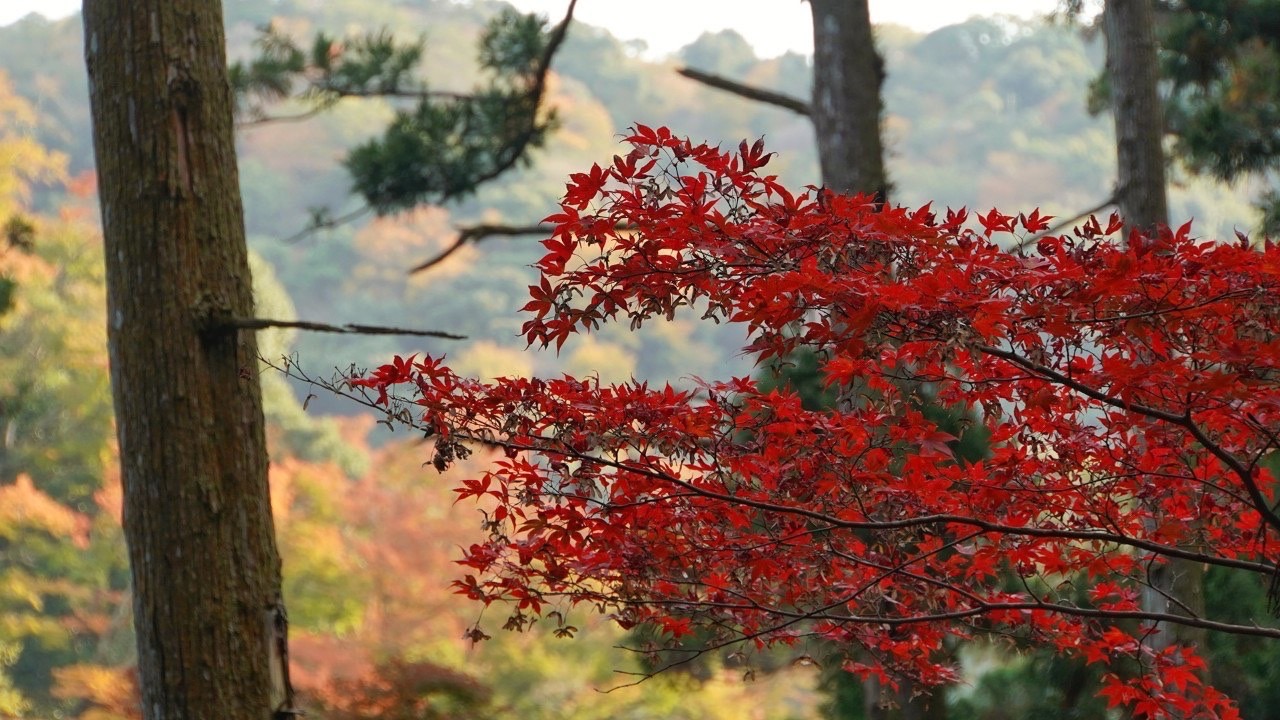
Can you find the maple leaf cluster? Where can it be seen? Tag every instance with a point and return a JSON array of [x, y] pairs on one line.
[[1128, 382]]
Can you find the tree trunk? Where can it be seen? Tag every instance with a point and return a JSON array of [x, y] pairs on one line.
[[1139, 119], [197, 516], [845, 109], [1176, 587], [847, 75]]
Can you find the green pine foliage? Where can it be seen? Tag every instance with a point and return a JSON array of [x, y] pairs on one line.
[[446, 143]]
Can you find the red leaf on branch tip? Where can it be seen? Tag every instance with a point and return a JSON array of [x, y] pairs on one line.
[[1035, 222], [1184, 232], [955, 220], [1114, 224], [994, 221]]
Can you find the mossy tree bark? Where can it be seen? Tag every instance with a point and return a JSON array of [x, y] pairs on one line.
[[197, 515]]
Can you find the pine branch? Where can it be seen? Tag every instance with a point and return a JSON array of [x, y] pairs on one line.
[[536, 94]]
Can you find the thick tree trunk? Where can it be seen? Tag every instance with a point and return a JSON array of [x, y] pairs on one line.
[[197, 516], [847, 75], [1139, 118]]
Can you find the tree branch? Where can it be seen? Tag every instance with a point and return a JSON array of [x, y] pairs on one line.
[[1184, 421], [978, 610], [349, 328], [322, 220], [1240, 469], [832, 521], [769, 97], [475, 234], [264, 119], [1052, 375], [326, 96]]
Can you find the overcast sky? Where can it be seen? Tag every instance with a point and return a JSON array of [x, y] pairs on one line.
[[772, 26]]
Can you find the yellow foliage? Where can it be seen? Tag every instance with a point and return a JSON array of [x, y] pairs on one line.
[[612, 362], [23, 161], [110, 692], [488, 360], [22, 505], [12, 704]]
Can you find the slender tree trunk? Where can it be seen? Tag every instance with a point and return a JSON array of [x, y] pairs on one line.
[[1139, 118], [1176, 587], [197, 517], [847, 75]]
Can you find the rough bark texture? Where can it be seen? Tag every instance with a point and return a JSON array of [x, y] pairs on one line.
[[197, 515], [1139, 118], [847, 75]]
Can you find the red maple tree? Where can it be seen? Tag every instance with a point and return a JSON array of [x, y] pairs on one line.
[[1129, 386]]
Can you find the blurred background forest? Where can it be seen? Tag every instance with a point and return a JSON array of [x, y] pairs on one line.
[[987, 113]]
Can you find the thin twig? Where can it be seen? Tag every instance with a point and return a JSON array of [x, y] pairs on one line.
[[349, 328], [327, 223], [782, 100], [264, 119]]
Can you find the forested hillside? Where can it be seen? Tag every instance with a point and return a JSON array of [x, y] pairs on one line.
[[989, 113]]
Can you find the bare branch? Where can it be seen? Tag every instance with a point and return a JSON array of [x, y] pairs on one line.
[[349, 328], [769, 97], [475, 234], [321, 220], [259, 120], [326, 96]]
